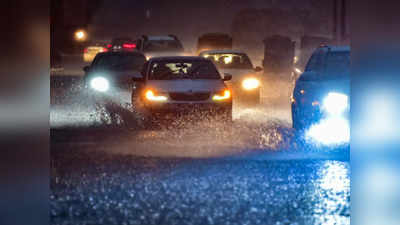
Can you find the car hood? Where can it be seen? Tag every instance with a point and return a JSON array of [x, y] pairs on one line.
[[186, 85], [238, 74]]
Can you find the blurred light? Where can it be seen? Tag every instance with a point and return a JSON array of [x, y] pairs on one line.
[[80, 35], [379, 117], [250, 83], [226, 95], [295, 59], [129, 45], [99, 84], [330, 131], [152, 97], [335, 103], [302, 91], [297, 70]]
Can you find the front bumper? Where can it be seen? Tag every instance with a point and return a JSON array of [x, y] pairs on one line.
[[189, 108]]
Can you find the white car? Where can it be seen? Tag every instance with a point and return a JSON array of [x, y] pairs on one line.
[[246, 80], [182, 86]]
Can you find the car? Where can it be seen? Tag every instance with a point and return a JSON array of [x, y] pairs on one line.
[[157, 46], [246, 80], [90, 51], [213, 41], [111, 73], [320, 102], [182, 86], [122, 44]]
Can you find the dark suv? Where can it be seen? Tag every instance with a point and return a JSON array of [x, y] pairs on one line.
[[320, 100]]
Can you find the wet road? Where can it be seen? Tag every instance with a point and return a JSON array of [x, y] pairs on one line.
[[254, 172]]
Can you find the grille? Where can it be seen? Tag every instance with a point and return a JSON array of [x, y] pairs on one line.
[[195, 96]]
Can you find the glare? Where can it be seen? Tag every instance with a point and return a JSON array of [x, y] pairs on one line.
[[250, 83], [330, 131], [228, 59], [335, 103], [99, 84], [80, 35], [297, 70], [152, 97]]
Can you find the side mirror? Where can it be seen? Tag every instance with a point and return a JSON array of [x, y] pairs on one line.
[[86, 69], [258, 69], [227, 77]]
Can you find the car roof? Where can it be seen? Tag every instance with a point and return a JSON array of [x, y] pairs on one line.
[[225, 51], [121, 53], [336, 48], [177, 58]]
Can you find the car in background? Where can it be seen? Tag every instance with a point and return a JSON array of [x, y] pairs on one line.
[[122, 44], [321, 97], [214, 41], [246, 80], [182, 85], [156, 46], [111, 73], [90, 51]]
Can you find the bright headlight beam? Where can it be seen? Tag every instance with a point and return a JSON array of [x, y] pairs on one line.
[[250, 83], [100, 84], [335, 103], [328, 132]]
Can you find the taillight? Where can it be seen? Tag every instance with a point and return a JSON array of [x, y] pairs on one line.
[[85, 50], [129, 45], [109, 46], [105, 50]]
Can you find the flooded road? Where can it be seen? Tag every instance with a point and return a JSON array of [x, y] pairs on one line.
[[255, 171]]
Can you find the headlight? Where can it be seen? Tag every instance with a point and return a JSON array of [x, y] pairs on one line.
[[335, 103], [151, 96], [223, 96], [250, 84], [100, 84]]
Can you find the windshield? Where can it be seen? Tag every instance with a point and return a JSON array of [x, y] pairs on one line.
[[162, 45], [230, 60], [173, 70], [338, 64], [119, 62], [334, 65]]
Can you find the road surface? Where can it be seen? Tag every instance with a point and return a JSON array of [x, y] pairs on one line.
[[256, 171]]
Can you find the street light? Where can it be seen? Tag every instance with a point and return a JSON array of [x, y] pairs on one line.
[[80, 35]]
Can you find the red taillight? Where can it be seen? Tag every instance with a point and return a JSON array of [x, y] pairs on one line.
[[109, 46], [85, 50], [129, 45], [105, 50]]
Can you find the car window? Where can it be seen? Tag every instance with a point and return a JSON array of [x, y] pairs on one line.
[[173, 70], [162, 45], [230, 60], [119, 62]]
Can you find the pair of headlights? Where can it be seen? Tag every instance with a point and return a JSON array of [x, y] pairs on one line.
[[151, 95]]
